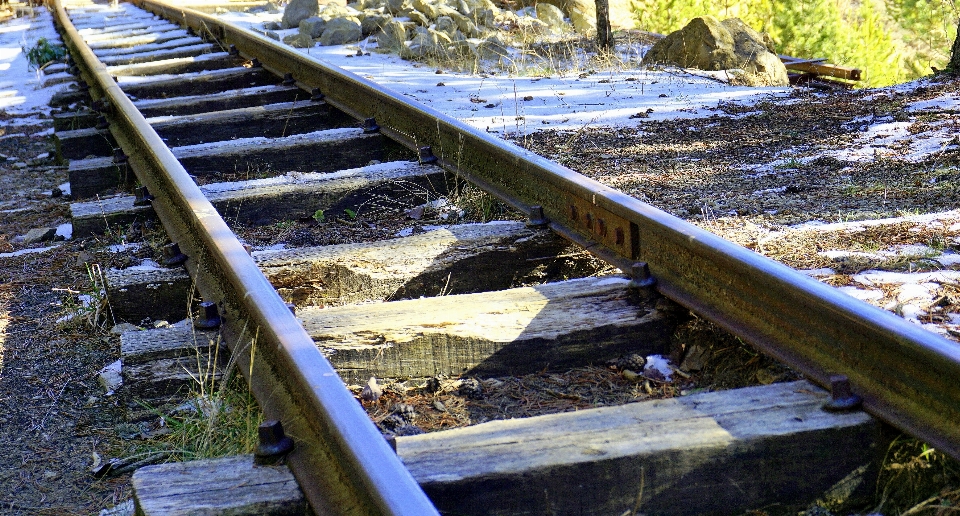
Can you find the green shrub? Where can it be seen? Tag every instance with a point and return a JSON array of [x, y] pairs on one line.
[[890, 40], [43, 53]]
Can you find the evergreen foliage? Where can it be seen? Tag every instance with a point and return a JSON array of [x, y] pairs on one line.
[[890, 40]]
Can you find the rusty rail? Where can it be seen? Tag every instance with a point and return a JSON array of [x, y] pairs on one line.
[[905, 374], [343, 464]]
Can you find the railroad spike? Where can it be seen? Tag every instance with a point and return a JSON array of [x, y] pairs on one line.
[[288, 79], [316, 95], [143, 197], [425, 155], [255, 63], [369, 126], [842, 398], [209, 316], [536, 218], [172, 255], [233, 50], [273, 445], [641, 277]]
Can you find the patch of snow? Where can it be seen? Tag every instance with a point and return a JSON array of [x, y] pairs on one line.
[[660, 365], [405, 232], [524, 104], [32, 250], [22, 91], [65, 230], [861, 294], [124, 247]]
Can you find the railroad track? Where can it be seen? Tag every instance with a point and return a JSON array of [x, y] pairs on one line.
[[360, 141]]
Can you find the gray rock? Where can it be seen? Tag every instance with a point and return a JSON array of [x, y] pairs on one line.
[[428, 9], [708, 44], [298, 10], [446, 24], [396, 6], [492, 48], [340, 31], [272, 35], [372, 23], [582, 14], [416, 16], [312, 27], [331, 11], [39, 235], [393, 36], [551, 15], [426, 42], [483, 17], [271, 26], [299, 40]]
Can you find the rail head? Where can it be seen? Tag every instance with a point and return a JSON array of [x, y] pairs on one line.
[[905, 374], [341, 460]]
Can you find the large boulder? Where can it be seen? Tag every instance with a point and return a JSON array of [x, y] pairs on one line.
[[551, 15], [709, 44], [373, 22], [340, 31], [312, 27], [297, 11], [394, 34], [582, 14]]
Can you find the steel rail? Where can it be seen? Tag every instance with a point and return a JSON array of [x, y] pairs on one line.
[[906, 375], [341, 461]]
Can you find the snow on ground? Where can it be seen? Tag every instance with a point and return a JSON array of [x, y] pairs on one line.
[[530, 101], [23, 90]]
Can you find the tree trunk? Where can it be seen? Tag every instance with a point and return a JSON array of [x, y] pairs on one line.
[[953, 67], [604, 34]]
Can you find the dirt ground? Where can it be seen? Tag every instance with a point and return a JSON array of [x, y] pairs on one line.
[[53, 413]]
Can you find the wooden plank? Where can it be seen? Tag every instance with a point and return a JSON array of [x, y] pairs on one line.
[[121, 41], [515, 331], [339, 148], [451, 260], [729, 452], [511, 332], [213, 81], [232, 99], [830, 70], [445, 261], [136, 30], [213, 487], [271, 121], [173, 341], [188, 51], [74, 119], [214, 61], [99, 32], [280, 198], [69, 96], [160, 294], [85, 143], [176, 43], [175, 361]]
